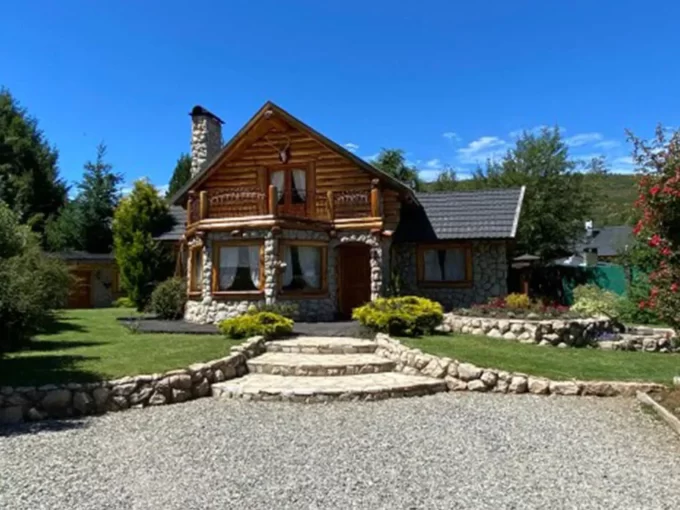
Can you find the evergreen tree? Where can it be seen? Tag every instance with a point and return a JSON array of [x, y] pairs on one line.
[[393, 162], [556, 201], [181, 174], [142, 262], [446, 181], [29, 177]]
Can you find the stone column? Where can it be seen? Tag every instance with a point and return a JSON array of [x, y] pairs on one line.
[[271, 265], [206, 138], [376, 266]]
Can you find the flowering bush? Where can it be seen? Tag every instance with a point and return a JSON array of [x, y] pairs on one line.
[[658, 183], [501, 307], [517, 301], [592, 301]]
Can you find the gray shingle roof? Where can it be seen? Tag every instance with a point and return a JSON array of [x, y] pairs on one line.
[[177, 231], [608, 241], [84, 256], [492, 213]]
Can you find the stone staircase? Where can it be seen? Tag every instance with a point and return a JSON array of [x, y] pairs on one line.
[[319, 369]]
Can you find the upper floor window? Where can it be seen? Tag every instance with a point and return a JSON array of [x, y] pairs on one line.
[[291, 186]]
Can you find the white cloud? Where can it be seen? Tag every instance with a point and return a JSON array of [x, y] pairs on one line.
[[433, 163], [623, 165], [352, 147], [583, 139], [608, 144], [452, 136], [486, 147], [428, 175], [128, 187], [371, 157]]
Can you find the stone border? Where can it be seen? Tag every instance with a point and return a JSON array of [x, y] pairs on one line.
[[672, 421], [562, 333], [31, 403], [466, 376]]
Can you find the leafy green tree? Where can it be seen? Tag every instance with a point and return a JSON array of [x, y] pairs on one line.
[[445, 181], [556, 200], [181, 174], [29, 177], [393, 162], [32, 284], [142, 262], [85, 222]]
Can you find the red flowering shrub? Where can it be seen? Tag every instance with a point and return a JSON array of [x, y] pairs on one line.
[[658, 165]]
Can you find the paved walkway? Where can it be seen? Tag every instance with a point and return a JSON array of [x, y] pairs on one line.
[[447, 451]]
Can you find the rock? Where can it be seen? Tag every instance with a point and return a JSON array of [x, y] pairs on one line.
[[157, 399], [649, 344], [504, 376], [509, 336], [676, 381], [10, 415], [468, 372], [501, 386], [599, 389], [553, 338], [607, 345], [452, 370], [455, 384], [562, 345], [564, 388], [82, 402], [140, 396], [202, 389], [518, 384], [181, 381], [180, 395], [435, 368], [489, 378], [34, 415], [517, 328], [118, 402], [219, 375], [477, 385], [538, 386], [532, 316], [100, 396], [494, 333], [57, 402], [545, 343], [124, 389], [503, 326], [18, 400]]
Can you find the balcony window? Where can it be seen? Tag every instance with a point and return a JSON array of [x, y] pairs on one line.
[[291, 186]]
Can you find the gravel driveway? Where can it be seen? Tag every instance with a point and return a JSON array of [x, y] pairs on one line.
[[444, 451]]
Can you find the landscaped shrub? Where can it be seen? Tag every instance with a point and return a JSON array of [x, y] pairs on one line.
[[169, 298], [267, 324], [289, 310], [400, 316], [123, 302], [32, 284], [498, 307], [590, 300], [517, 301]]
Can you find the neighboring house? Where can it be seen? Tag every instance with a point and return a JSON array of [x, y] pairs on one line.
[[282, 214], [599, 244], [95, 279]]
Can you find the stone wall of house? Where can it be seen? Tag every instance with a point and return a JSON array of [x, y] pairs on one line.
[[489, 275], [208, 309], [32, 403], [466, 376]]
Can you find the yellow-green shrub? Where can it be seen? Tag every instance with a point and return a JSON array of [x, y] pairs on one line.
[[267, 324], [592, 301], [517, 301], [401, 316]]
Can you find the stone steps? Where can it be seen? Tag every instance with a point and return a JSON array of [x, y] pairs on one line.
[[323, 389], [318, 365], [322, 345]]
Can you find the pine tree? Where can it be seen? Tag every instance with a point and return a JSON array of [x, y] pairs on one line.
[[393, 162], [181, 174]]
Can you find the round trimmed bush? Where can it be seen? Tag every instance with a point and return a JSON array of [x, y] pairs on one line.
[[169, 298], [400, 316], [267, 324]]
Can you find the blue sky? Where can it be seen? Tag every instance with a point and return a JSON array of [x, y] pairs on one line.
[[449, 82]]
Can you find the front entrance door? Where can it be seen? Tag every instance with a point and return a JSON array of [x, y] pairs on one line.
[[80, 292], [354, 277]]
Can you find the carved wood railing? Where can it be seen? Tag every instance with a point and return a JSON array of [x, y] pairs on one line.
[[242, 202]]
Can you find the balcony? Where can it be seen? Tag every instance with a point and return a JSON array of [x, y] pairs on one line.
[[228, 208]]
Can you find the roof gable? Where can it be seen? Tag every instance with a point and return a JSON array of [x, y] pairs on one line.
[[270, 116]]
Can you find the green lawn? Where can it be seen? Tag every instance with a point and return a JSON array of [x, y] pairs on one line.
[[585, 364], [90, 345]]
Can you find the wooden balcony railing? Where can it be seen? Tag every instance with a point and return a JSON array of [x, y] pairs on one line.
[[327, 206]]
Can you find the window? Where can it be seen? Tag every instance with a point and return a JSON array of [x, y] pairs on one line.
[[237, 267], [291, 185], [445, 264], [196, 268], [305, 270]]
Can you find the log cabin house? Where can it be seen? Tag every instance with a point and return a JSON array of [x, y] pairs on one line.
[[282, 214]]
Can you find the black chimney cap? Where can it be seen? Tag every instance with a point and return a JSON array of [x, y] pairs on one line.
[[199, 110]]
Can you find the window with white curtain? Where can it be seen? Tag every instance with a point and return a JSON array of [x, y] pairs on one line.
[[291, 185], [444, 264], [238, 268], [303, 268]]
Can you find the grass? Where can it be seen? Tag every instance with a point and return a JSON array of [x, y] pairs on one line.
[[91, 345], [551, 362]]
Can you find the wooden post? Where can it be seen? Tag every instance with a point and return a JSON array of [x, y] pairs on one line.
[[331, 205], [273, 199], [190, 203], [375, 198], [203, 204]]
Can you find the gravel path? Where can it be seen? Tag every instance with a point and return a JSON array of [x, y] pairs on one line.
[[444, 451]]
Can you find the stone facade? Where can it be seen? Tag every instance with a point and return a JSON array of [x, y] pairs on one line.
[[465, 376], [206, 139], [209, 309], [32, 403], [489, 275]]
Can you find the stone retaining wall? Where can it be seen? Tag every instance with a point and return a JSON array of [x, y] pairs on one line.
[[31, 403], [466, 376]]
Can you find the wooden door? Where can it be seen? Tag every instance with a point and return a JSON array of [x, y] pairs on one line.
[[81, 290], [354, 277]]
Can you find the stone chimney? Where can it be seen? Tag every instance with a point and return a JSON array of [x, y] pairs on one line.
[[206, 138]]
